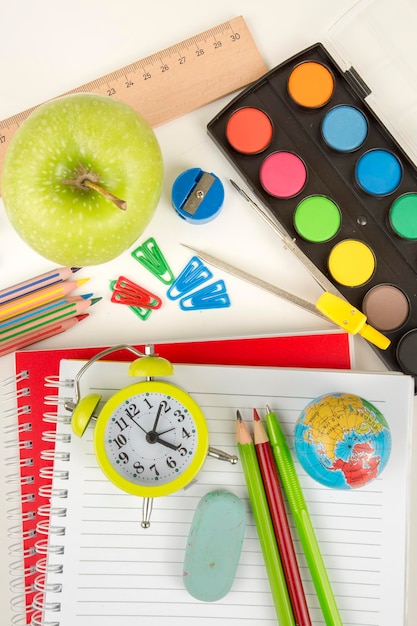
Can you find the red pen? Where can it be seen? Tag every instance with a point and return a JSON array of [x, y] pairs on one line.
[[280, 523]]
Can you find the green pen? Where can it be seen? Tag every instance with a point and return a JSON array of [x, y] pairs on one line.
[[302, 520]]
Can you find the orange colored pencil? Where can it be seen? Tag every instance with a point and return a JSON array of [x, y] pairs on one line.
[[280, 522], [31, 338], [71, 308], [35, 283], [35, 299]]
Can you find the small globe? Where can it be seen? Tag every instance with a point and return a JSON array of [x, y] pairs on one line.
[[342, 441]]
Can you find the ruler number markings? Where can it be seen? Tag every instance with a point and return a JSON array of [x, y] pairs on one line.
[[200, 51], [224, 58]]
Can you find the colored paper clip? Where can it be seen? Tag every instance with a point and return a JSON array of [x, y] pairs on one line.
[[212, 296], [140, 311], [332, 307], [194, 274], [150, 256], [127, 292]]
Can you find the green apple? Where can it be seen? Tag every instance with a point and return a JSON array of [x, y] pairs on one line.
[[82, 178]]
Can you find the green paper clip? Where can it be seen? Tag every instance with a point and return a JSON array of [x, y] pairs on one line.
[[194, 274], [213, 296], [140, 311], [150, 256]]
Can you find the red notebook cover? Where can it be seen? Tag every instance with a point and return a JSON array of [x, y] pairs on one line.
[[36, 382]]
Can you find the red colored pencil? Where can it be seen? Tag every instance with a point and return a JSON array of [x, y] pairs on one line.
[[280, 523], [39, 335]]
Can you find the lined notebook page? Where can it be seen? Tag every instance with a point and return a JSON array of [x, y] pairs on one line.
[[115, 572]]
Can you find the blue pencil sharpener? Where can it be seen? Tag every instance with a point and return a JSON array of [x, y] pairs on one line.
[[197, 196]]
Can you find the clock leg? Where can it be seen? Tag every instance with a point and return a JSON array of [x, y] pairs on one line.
[[146, 512], [222, 456]]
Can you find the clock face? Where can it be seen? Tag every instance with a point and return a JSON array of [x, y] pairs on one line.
[[151, 438]]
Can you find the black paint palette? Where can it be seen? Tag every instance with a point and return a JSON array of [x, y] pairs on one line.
[[311, 148]]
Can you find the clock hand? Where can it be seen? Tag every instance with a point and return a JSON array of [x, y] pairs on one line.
[[166, 431], [167, 443], [155, 424], [154, 437]]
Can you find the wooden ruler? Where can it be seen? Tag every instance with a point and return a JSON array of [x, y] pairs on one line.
[[176, 80]]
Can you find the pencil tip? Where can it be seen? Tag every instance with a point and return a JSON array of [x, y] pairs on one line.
[[75, 269], [268, 410], [82, 316], [238, 416], [94, 300], [256, 416]]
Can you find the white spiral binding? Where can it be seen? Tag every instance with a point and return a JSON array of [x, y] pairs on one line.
[[13, 427]]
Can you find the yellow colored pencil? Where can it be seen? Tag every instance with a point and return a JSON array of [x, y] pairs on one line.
[[35, 299]]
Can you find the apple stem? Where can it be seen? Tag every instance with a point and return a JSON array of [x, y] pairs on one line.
[[87, 179], [121, 204]]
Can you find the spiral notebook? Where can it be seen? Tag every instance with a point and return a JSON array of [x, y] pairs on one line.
[[104, 568], [29, 410]]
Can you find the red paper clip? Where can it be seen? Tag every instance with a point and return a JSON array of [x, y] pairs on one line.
[[127, 292]]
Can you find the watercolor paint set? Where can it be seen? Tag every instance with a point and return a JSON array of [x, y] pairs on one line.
[[308, 143]]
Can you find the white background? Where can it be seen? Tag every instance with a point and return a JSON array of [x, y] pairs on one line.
[[49, 47]]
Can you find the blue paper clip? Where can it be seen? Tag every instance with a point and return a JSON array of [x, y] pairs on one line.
[[212, 296], [194, 274], [150, 256]]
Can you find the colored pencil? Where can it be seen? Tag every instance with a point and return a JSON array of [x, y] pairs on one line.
[[43, 309], [37, 282], [44, 318], [263, 523], [37, 298], [299, 511], [280, 522], [34, 337]]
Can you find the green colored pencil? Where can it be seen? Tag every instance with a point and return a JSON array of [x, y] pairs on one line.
[[298, 507], [43, 317], [264, 525]]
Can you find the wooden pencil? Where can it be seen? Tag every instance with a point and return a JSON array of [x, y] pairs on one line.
[[263, 523], [280, 522]]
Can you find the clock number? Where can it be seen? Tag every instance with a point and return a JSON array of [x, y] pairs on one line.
[[120, 441], [183, 451], [122, 424], [132, 411], [153, 467], [138, 467], [185, 434], [124, 458], [179, 415], [171, 462]]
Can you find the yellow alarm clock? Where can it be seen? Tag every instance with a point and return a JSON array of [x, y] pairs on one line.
[[151, 437]]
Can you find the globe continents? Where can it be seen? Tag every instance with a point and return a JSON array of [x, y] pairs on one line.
[[342, 440]]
